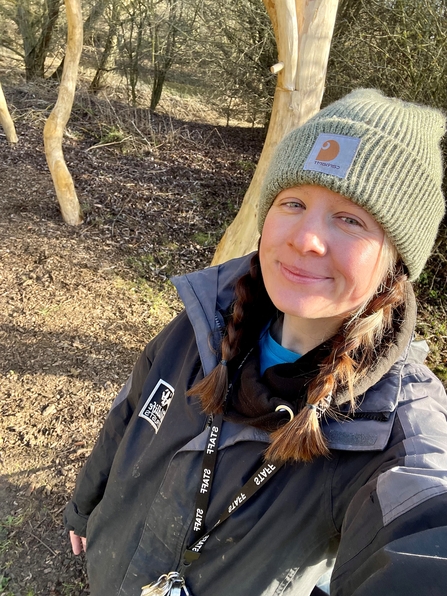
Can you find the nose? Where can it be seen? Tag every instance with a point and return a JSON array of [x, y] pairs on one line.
[[309, 236]]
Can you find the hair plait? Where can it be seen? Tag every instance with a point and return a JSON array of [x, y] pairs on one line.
[[354, 350], [251, 309]]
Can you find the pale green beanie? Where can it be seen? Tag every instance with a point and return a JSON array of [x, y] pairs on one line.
[[382, 153]]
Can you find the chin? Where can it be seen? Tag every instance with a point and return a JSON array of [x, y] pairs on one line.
[[312, 311]]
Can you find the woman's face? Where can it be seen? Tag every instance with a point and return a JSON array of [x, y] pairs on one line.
[[320, 254]]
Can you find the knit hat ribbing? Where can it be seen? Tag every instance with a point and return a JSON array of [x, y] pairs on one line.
[[394, 171]]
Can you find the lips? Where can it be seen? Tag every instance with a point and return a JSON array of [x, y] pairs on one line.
[[298, 275]]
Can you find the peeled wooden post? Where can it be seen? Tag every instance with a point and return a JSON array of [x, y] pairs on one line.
[[303, 31], [55, 125], [6, 120]]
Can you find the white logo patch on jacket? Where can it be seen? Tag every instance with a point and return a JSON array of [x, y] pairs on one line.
[[157, 404]]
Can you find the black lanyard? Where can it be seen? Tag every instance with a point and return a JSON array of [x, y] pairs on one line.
[[262, 475]]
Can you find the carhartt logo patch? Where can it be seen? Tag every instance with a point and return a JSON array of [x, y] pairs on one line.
[[329, 150], [157, 404], [332, 154]]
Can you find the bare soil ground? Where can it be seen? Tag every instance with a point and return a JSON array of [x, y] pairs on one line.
[[78, 304]]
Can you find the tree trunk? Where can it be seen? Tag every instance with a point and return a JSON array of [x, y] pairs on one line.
[[6, 120], [303, 31], [163, 58], [57, 74], [157, 88], [55, 125], [35, 43], [107, 57]]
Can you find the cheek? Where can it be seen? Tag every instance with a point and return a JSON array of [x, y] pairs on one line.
[[274, 234], [267, 243], [363, 268]]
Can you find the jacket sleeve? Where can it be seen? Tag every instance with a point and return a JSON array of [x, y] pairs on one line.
[[92, 479], [394, 532]]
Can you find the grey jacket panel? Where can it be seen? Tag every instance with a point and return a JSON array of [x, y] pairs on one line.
[[138, 487], [424, 474], [206, 294], [400, 499]]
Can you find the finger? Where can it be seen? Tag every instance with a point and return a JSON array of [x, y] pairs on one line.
[[76, 543], [84, 543]]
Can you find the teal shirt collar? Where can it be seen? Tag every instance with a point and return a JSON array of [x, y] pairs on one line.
[[271, 352]]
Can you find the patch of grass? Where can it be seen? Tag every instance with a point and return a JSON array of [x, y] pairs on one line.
[[154, 297], [205, 238], [143, 265], [432, 326], [182, 89], [9, 523], [12, 521], [4, 581], [431, 293], [72, 133], [112, 134], [4, 545], [49, 310], [246, 166], [441, 372], [69, 589], [162, 301], [8, 593], [158, 263]]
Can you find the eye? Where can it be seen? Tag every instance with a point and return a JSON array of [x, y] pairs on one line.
[[352, 221], [293, 204]]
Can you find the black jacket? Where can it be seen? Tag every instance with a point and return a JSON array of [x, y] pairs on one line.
[[378, 504]]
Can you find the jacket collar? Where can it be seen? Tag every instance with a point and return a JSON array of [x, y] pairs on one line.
[[207, 294]]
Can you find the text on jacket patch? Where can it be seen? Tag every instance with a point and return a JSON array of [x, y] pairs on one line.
[[264, 473], [157, 404]]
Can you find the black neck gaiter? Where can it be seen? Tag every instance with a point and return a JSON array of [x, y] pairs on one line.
[[253, 399]]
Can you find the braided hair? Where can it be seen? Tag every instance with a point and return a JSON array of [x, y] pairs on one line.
[[354, 350]]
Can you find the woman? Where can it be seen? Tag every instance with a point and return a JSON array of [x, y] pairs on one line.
[[280, 422]]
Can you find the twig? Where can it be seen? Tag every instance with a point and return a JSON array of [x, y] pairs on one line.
[[43, 543], [107, 144]]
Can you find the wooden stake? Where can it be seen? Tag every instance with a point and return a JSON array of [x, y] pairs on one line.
[[6, 120]]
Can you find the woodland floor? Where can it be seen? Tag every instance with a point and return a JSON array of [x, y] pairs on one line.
[[78, 304]]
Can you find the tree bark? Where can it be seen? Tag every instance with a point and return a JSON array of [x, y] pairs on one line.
[[55, 125], [303, 31], [6, 120]]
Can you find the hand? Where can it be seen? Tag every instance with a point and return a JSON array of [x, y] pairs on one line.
[[78, 543]]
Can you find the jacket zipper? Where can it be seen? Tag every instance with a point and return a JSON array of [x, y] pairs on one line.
[[219, 325]]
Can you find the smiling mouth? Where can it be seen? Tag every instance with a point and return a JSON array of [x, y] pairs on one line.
[[302, 275]]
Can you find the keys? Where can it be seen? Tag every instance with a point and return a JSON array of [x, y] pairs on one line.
[[168, 584]]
